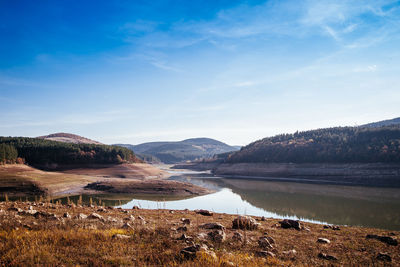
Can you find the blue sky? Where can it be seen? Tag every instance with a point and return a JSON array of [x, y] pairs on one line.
[[137, 71]]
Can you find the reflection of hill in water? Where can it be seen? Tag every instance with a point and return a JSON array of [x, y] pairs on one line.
[[371, 207]]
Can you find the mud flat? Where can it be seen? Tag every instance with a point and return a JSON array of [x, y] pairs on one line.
[[18, 180]]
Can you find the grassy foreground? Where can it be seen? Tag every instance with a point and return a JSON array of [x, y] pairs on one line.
[[54, 234]]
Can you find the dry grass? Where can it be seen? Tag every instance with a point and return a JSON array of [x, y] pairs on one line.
[[27, 240]]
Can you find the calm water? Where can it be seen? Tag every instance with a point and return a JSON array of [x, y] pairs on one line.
[[332, 204]]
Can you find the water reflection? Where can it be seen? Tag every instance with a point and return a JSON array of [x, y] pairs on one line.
[[343, 205]]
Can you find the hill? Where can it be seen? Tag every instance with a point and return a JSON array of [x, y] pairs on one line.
[[189, 149], [395, 121], [69, 138], [331, 145], [46, 153]]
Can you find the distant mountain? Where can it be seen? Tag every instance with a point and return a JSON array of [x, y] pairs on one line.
[[174, 152], [69, 138], [395, 121], [330, 145]]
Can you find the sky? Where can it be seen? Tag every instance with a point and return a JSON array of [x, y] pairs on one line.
[[237, 71]]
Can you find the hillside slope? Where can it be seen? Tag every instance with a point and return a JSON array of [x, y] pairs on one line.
[[69, 138], [395, 121], [331, 145], [189, 149]]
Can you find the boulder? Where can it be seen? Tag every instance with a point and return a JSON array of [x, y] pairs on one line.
[[135, 208], [217, 226], [244, 222], [287, 224], [385, 239], [204, 212]]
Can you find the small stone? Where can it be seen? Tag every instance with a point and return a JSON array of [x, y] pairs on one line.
[[384, 257], [237, 237], [81, 216], [182, 229], [204, 212], [217, 235], [323, 240], [96, 216], [185, 221], [264, 242], [126, 226], [135, 208], [217, 226], [327, 256], [119, 236], [66, 215], [264, 254], [189, 253]]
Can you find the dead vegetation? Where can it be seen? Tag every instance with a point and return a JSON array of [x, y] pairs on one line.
[[44, 233]]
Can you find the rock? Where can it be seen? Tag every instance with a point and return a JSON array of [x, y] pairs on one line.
[[291, 252], [333, 227], [327, 256], [237, 237], [204, 212], [182, 229], [102, 210], [217, 235], [383, 257], [130, 218], [81, 216], [217, 226], [189, 253], [185, 221], [15, 209], [263, 219], [287, 224], [28, 212], [264, 254], [127, 226], [119, 236], [202, 236], [141, 220], [66, 215], [244, 222], [135, 208], [265, 242], [323, 240], [96, 216], [111, 219], [385, 239]]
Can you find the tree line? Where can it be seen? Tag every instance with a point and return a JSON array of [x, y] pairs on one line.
[[330, 145], [41, 152]]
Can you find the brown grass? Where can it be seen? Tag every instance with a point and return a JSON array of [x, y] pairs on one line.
[[26, 240]]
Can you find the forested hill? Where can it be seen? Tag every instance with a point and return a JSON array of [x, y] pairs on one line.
[[44, 152], [331, 145]]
